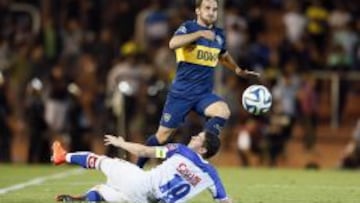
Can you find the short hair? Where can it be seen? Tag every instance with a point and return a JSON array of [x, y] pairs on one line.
[[199, 2], [212, 144]]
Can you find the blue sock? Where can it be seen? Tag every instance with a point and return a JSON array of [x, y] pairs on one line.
[[93, 196], [151, 141], [84, 159], [79, 158], [215, 124]]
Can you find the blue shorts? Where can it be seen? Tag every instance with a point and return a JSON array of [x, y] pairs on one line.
[[177, 108]]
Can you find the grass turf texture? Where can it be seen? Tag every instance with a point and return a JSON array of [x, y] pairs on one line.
[[243, 185]]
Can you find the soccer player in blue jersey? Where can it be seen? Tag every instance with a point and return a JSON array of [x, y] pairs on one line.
[[183, 174], [199, 46]]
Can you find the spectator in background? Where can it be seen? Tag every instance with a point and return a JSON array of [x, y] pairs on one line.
[[340, 16], [351, 155], [251, 141], [236, 27], [50, 39], [150, 97], [256, 22], [56, 102], [39, 149], [337, 58], [5, 131], [356, 51], [121, 85], [179, 11], [20, 74], [317, 26], [120, 18], [232, 97], [39, 68], [5, 16], [277, 133], [302, 52], [152, 26], [5, 54], [344, 55], [104, 52], [259, 52], [165, 62], [72, 38], [78, 123], [345, 37], [294, 21], [308, 104], [284, 93]]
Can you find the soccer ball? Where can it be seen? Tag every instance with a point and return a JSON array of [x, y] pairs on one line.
[[256, 99]]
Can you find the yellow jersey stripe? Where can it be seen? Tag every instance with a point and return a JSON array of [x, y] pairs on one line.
[[198, 54]]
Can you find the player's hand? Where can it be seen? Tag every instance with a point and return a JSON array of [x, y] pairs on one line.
[[113, 140], [247, 73], [207, 34]]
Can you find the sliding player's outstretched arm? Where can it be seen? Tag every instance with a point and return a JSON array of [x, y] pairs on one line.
[[133, 148]]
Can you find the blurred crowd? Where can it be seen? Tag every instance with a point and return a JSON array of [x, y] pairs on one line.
[[79, 69]]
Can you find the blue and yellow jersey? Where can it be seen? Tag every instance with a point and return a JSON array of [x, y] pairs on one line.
[[196, 62]]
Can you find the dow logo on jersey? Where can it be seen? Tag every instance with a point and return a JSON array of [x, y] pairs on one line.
[[207, 56]]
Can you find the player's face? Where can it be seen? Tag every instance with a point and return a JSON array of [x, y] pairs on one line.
[[207, 12], [197, 142]]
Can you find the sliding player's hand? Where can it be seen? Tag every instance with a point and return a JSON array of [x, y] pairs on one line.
[[113, 140]]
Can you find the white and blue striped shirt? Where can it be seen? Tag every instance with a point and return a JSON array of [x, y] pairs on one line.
[[183, 175]]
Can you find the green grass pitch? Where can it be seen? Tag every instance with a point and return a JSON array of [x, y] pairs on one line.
[[243, 185]]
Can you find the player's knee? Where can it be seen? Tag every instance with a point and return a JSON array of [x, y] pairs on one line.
[[223, 110], [219, 109], [226, 111], [162, 134]]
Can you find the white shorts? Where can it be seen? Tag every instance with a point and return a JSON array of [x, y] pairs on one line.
[[125, 182]]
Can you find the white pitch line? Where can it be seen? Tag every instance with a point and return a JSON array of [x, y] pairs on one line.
[[37, 181]]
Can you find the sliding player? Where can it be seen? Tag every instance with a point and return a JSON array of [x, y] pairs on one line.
[[183, 174]]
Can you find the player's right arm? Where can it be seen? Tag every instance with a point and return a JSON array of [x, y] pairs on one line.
[[178, 41], [133, 148], [186, 35], [137, 149]]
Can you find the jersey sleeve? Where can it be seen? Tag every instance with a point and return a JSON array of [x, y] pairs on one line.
[[183, 29], [217, 189], [221, 38]]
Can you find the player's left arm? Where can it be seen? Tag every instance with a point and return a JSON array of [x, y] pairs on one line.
[[217, 189], [227, 60], [132, 147]]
